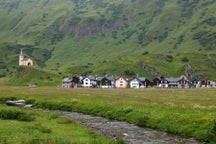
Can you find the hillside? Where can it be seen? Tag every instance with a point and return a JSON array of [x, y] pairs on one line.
[[28, 76], [149, 38]]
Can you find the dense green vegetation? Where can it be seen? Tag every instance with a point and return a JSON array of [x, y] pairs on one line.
[[186, 112], [88, 36], [33, 126], [26, 76]]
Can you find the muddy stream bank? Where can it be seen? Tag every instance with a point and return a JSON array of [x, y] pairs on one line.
[[131, 133]]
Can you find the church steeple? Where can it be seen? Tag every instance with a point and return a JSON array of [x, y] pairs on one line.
[[21, 53], [21, 58]]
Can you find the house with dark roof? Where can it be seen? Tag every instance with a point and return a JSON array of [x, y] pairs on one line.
[[105, 82], [139, 82], [73, 82], [67, 83], [170, 82]]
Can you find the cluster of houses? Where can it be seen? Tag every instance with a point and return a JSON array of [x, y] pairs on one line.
[[134, 82]]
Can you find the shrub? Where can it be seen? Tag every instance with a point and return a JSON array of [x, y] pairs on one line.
[[109, 115], [211, 21], [212, 132], [127, 109], [15, 115], [185, 59], [65, 106], [145, 53], [142, 121], [169, 58], [120, 141]]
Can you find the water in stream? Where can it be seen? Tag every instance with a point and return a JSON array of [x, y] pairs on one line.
[[131, 133]]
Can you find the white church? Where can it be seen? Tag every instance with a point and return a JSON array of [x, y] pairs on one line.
[[23, 61]]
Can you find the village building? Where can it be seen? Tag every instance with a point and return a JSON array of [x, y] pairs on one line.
[[184, 82], [73, 82], [212, 83], [105, 82], [89, 81], [139, 82], [121, 83], [134, 82], [206, 83], [196, 83], [67, 83], [23, 61], [165, 82]]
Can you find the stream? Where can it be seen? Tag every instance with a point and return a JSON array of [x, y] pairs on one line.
[[131, 133]]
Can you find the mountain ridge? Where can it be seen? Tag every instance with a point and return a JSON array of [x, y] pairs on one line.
[[88, 36]]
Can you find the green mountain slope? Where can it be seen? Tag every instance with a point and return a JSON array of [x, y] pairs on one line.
[[27, 76], [111, 36]]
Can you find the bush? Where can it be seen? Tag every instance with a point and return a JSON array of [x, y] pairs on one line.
[[127, 109], [185, 59], [109, 115], [211, 21], [15, 115], [212, 132], [145, 53], [142, 121], [169, 58], [120, 141]]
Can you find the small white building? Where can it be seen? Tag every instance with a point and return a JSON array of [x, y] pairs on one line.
[[134, 83], [139, 82], [89, 82]]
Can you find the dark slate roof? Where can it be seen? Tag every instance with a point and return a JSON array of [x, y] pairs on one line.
[[90, 77], [142, 78], [110, 78], [117, 78], [173, 80], [99, 78], [135, 79], [67, 80]]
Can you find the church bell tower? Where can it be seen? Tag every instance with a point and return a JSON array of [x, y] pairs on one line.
[[21, 58]]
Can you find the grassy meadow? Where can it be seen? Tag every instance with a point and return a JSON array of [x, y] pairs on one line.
[[186, 112], [34, 126]]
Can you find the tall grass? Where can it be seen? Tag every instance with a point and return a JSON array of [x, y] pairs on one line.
[[45, 127], [15, 115]]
